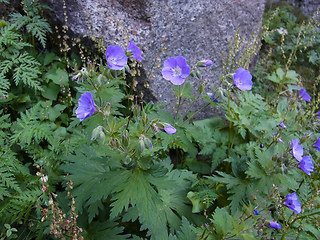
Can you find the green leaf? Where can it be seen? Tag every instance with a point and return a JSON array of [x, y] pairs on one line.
[[58, 76], [291, 77], [280, 73], [49, 58], [282, 107], [51, 92], [274, 78]]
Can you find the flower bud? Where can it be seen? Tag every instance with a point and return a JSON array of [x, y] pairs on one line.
[[125, 139], [127, 69], [204, 63], [198, 74], [200, 89], [148, 143], [98, 134], [144, 117], [272, 224], [141, 145], [107, 110]]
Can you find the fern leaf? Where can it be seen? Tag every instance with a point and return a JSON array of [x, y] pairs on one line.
[[19, 207], [18, 21], [39, 27], [4, 85], [27, 71], [28, 128], [5, 66]]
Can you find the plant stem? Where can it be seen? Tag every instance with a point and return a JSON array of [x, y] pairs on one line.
[[208, 104], [230, 123], [179, 99]]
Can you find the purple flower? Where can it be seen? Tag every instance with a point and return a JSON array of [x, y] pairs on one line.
[[136, 52], [176, 70], [274, 225], [86, 106], [318, 114], [317, 144], [304, 95], [282, 125], [116, 57], [293, 203], [169, 129], [215, 99], [280, 140], [306, 165], [242, 79], [256, 212], [296, 149], [204, 63]]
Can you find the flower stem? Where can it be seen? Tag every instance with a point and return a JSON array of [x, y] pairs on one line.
[[208, 104], [230, 123], [179, 99]]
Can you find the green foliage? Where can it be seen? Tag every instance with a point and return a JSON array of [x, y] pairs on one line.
[[121, 174]]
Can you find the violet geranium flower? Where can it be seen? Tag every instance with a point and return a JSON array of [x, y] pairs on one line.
[[281, 125], [317, 144], [242, 79], [304, 95], [204, 63], [116, 57], [296, 149], [256, 212], [169, 129], [274, 225], [306, 165], [293, 203], [86, 106], [136, 52], [176, 70]]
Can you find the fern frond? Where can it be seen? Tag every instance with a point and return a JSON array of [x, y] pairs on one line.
[[39, 27], [5, 66], [10, 167], [10, 43], [18, 207], [27, 71], [28, 128], [18, 21]]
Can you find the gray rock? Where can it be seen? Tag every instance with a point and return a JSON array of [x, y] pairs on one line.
[[195, 30]]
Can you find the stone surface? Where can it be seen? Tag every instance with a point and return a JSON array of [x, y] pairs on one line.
[[195, 30]]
